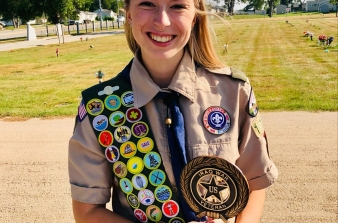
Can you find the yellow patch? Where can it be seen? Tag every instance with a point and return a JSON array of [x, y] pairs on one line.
[[257, 126]]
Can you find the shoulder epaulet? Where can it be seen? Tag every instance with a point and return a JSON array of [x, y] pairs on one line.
[[235, 73]]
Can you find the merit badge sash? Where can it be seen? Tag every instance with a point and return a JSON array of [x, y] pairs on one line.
[[214, 187], [127, 141]]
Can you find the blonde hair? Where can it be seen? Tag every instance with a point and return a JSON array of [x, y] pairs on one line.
[[199, 45]]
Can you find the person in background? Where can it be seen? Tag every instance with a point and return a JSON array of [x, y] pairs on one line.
[[175, 80]]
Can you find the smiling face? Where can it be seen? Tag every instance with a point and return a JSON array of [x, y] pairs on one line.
[[161, 27]]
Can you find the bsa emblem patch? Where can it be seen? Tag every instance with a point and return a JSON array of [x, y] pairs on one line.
[[133, 114], [112, 154], [253, 107], [95, 107], [100, 123], [214, 187], [216, 120]]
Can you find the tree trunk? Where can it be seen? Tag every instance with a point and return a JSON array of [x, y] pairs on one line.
[[231, 7], [271, 8], [15, 22]]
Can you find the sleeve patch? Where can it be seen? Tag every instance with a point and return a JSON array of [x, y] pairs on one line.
[[253, 106], [257, 126], [82, 113]]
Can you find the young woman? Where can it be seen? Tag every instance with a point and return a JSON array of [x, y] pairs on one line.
[[122, 141]]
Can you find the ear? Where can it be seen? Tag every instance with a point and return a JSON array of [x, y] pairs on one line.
[[128, 15]]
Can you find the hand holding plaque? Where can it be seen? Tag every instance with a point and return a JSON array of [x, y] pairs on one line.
[[214, 187]]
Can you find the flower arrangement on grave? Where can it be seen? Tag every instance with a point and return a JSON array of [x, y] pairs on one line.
[[99, 75]]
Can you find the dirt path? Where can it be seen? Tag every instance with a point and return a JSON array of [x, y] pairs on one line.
[[34, 180]]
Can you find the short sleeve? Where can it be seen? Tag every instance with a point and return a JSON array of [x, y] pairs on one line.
[[89, 174], [254, 160]]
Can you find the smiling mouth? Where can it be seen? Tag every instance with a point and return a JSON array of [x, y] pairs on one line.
[[161, 39]]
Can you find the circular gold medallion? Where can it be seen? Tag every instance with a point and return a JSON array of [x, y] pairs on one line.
[[214, 187]]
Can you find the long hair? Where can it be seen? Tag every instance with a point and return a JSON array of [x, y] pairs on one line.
[[199, 44]]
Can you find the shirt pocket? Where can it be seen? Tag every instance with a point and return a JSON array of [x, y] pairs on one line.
[[225, 150]]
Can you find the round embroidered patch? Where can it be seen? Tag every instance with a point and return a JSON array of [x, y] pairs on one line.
[[154, 213], [106, 138], [216, 120], [117, 118], [140, 215], [139, 181], [146, 197], [163, 193], [128, 149], [133, 200], [120, 169], [152, 160], [122, 134], [145, 145], [112, 154], [112, 102], [127, 99], [126, 186], [94, 107], [157, 177], [176, 220], [170, 209], [139, 129], [135, 165], [100, 123], [133, 115]]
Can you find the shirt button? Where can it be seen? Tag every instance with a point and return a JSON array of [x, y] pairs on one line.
[[175, 189]]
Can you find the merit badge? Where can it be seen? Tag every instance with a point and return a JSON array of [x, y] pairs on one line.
[[95, 107], [162, 193], [120, 169], [106, 138], [154, 213], [122, 134], [170, 209], [127, 99], [140, 215], [176, 220], [112, 154], [152, 160], [214, 187], [253, 107], [139, 181], [133, 114], [133, 200], [112, 102], [146, 197], [145, 145], [139, 129], [100, 123], [126, 186], [257, 126], [128, 149], [81, 111], [216, 120], [135, 165], [157, 177], [117, 118]]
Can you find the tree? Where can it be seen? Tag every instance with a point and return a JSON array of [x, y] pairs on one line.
[[20, 9], [335, 2], [272, 4]]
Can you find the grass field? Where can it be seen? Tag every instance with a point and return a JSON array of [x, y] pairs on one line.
[[286, 69]]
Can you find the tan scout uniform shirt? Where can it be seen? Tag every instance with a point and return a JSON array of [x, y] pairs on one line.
[[91, 179]]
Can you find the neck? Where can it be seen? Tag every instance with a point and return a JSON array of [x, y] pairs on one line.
[[162, 71]]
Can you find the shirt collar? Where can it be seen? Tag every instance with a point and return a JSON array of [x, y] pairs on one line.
[[145, 89]]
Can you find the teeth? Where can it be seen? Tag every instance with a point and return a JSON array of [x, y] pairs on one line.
[[162, 39]]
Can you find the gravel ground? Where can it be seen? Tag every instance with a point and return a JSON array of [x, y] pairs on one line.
[[34, 179]]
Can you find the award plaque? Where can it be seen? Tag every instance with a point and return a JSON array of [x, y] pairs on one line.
[[213, 187]]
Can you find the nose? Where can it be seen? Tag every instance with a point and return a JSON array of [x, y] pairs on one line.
[[162, 19]]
